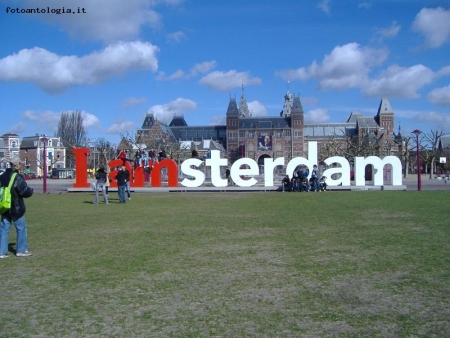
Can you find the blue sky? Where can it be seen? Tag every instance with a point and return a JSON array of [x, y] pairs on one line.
[[120, 59]]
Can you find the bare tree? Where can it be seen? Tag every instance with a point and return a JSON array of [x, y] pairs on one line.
[[71, 132], [430, 148]]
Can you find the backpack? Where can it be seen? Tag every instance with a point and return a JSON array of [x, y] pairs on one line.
[[5, 196]]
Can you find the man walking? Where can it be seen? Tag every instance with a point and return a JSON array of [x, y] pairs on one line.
[[16, 215]]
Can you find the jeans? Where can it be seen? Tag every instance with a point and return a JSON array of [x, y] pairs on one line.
[[127, 188], [105, 198], [121, 191], [21, 233]]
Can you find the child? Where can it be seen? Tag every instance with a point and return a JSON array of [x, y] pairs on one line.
[[323, 183]]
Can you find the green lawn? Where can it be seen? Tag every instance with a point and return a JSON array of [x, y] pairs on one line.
[[334, 264]]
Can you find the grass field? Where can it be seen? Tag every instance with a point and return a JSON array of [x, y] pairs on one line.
[[334, 264]]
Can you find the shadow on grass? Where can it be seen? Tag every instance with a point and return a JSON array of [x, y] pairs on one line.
[[11, 248]]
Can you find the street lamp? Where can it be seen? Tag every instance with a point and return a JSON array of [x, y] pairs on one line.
[[44, 139], [419, 178]]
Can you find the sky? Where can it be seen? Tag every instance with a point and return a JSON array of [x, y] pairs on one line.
[[116, 60]]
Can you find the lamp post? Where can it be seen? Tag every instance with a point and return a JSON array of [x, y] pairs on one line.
[[419, 177], [44, 139]]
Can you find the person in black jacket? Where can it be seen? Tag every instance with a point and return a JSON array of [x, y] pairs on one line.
[[121, 184], [16, 214], [102, 178]]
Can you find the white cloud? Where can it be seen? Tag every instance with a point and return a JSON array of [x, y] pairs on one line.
[[18, 128], [203, 67], [49, 120], [256, 108], [324, 5], [198, 68], [105, 20], [390, 32], [175, 76], [176, 37], [365, 5], [400, 82], [224, 81], [90, 120], [121, 127], [132, 101], [317, 116], [440, 121], [440, 96], [218, 120], [165, 112], [434, 24], [55, 73], [345, 67]]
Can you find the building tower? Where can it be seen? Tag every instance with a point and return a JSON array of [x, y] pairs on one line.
[[297, 124], [232, 130], [385, 116], [243, 108]]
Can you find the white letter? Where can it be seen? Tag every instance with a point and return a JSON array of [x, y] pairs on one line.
[[199, 177], [269, 165], [344, 170], [235, 172], [215, 162], [378, 165], [296, 161]]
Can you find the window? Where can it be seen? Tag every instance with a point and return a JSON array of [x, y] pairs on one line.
[[297, 135], [232, 135], [251, 134], [241, 133], [287, 133]]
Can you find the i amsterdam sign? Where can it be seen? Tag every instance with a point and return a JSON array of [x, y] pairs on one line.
[[216, 163]]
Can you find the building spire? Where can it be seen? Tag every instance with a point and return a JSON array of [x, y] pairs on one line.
[[243, 107]]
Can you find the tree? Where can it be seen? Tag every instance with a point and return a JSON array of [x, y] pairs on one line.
[[71, 132], [430, 149]]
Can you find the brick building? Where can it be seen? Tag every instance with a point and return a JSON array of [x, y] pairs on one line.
[[286, 135]]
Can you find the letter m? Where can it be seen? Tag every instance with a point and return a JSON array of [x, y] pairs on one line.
[[378, 165]]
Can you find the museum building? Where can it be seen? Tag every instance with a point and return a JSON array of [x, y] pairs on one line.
[[259, 137]]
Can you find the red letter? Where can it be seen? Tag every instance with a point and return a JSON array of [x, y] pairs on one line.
[[172, 173], [81, 167]]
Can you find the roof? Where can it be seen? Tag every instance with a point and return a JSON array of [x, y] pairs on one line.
[[444, 142], [366, 122], [329, 130], [263, 122], [178, 121], [385, 107], [232, 107]]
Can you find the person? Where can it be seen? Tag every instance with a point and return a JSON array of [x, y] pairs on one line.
[[195, 153], [121, 184], [138, 158], [295, 181], [108, 181], [305, 175], [101, 178], [323, 183], [16, 214], [228, 175], [285, 183], [315, 178], [304, 184], [153, 157], [127, 182]]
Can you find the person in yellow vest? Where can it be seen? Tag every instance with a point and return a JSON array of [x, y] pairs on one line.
[[16, 214]]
